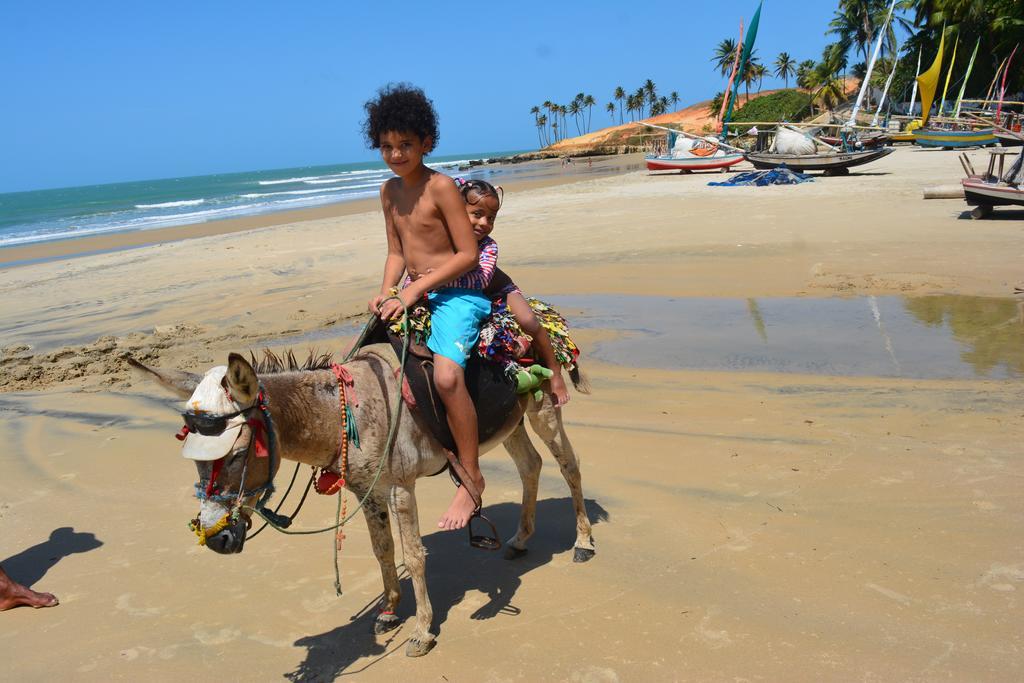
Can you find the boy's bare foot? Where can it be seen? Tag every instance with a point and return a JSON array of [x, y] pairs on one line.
[[560, 391], [459, 512], [13, 594]]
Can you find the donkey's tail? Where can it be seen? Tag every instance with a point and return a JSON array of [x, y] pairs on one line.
[[579, 380]]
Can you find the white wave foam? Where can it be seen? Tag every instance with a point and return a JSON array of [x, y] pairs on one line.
[[287, 180], [332, 181], [168, 205], [260, 195]]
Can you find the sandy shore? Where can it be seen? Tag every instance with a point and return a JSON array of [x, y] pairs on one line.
[[750, 525]]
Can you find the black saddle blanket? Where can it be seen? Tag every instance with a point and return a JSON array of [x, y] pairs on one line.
[[493, 393]]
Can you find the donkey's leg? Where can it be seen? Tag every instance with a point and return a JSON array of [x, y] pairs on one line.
[[528, 462], [376, 512], [403, 503], [547, 423]]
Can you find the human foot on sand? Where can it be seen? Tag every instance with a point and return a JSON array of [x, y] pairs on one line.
[[13, 594], [461, 510]]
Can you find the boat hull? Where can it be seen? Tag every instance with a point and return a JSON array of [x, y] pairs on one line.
[[816, 162], [934, 137], [979, 193], [667, 163], [1007, 140]]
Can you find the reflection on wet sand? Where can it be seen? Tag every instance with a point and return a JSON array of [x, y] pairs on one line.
[[992, 329], [940, 337]]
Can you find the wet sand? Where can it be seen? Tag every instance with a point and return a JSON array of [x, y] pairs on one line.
[[750, 525]]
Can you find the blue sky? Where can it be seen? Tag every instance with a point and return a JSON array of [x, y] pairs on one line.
[[101, 92]]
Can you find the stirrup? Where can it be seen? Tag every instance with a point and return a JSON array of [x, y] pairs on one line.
[[482, 541]]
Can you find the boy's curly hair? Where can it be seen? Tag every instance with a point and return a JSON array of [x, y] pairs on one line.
[[400, 107]]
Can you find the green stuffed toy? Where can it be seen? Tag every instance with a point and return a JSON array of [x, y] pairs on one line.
[[530, 378]]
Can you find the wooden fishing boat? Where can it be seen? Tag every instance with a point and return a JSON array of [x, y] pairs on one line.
[[697, 159], [994, 187], [832, 163], [949, 139], [1007, 140], [667, 162], [985, 195], [688, 153]]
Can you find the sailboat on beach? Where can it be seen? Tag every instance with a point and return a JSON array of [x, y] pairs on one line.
[[687, 152], [945, 133]]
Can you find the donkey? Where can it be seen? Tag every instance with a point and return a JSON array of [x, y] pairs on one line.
[[301, 406]]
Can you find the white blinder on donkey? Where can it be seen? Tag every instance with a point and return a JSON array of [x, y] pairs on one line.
[[238, 417]]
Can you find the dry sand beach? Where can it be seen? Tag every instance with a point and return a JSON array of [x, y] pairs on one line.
[[755, 520]]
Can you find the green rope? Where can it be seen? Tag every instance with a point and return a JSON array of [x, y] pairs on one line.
[[388, 445]]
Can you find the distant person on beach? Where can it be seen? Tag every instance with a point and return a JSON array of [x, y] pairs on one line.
[[430, 238], [13, 594], [483, 202]]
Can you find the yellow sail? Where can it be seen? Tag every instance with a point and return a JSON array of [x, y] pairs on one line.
[[929, 81], [945, 88]]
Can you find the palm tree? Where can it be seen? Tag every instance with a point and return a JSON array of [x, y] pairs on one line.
[[620, 95], [574, 109], [674, 96], [610, 108], [650, 89], [542, 125], [750, 71], [759, 71], [785, 66], [824, 79], [641, 98], [589, 103], [725, 55], [715, 106], [536, 114], [549, 106], [803, 73]]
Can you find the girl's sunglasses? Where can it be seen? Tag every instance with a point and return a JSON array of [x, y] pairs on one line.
[[210, 425]]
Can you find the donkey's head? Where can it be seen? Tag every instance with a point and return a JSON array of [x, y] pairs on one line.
[[229, 434]]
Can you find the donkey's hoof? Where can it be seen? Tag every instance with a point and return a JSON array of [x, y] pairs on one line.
[[583, 555], [418, 648], [514, 553], [385, 623]]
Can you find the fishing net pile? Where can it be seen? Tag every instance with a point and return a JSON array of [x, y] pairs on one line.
[[501, 338], [775, 176]]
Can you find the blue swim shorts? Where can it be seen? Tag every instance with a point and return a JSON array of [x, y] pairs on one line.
[[455, 318]]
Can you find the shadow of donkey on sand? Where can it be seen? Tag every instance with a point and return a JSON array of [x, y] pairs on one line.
[[454, 570]]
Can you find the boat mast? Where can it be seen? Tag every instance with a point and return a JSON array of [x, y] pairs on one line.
[[949, 72], [885, 90], [728, 88], [963, 86], [748, 46], [871, 66], [1002, 86], [992, 85], [913, 91]]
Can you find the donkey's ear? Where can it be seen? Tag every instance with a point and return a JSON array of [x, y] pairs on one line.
[[178, 382], [241, 379]]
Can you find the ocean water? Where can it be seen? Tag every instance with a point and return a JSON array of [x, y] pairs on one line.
[[67, 213]]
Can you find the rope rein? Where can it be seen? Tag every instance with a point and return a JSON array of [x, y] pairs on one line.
[[348, 433]]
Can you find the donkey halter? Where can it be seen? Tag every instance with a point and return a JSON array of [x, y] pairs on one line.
[[257, 426]]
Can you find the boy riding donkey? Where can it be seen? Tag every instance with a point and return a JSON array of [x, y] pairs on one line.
[[430, 238]]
